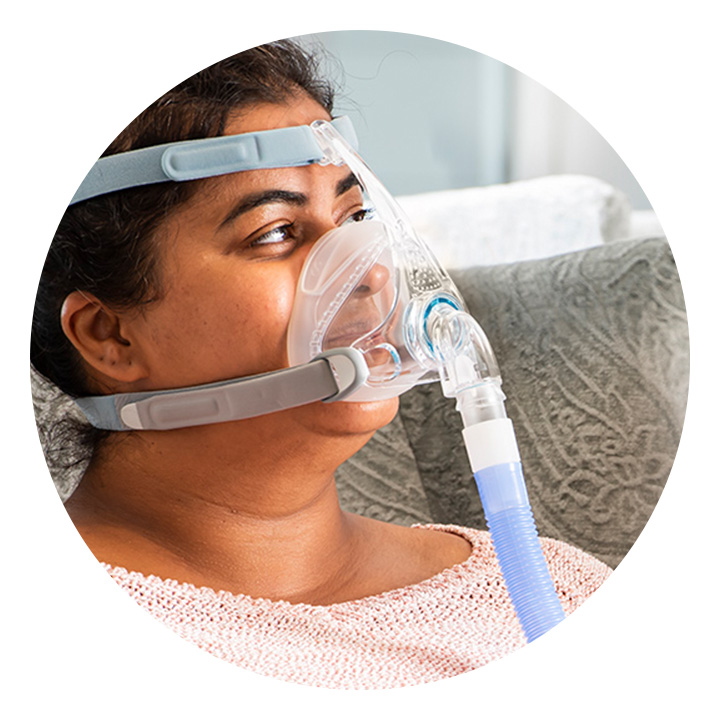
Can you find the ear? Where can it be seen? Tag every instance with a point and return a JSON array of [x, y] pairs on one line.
[[97, 334]]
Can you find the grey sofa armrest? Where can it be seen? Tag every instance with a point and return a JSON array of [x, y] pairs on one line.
[[593, 348]]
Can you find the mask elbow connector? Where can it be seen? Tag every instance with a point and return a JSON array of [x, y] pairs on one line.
[[468, 369]]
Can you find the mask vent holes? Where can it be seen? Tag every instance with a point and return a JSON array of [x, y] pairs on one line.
[[384, 363]]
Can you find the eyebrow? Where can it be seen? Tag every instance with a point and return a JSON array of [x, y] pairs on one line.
[[267, 197], [347, 183]]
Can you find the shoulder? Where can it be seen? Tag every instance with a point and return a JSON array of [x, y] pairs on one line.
[[577, 574]]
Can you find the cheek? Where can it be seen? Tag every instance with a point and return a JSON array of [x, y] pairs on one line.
[[246, 329], [266, 317], [213, 328]]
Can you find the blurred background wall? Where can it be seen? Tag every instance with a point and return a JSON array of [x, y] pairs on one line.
[[432, 116]]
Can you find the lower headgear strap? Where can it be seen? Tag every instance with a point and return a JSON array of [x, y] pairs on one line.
[[329, 377]]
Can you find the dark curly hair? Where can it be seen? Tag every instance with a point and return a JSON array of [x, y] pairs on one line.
[[105, 245]]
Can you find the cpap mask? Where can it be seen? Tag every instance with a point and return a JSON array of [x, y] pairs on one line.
[[374, 315], [358, 326]]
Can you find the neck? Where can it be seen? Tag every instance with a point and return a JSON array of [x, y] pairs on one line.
[[235, 506]]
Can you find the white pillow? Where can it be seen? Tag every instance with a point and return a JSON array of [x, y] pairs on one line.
[[523, 220]]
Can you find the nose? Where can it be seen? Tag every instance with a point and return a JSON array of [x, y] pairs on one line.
[[315, 231], [374, 281]]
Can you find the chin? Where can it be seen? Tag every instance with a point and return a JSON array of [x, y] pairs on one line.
[[358, 418]]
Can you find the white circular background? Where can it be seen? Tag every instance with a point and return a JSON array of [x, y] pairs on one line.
[[642, 74]]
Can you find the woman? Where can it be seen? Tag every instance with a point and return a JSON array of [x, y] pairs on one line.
[[231, 532]]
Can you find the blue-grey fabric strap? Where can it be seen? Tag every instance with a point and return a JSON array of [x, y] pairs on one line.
[[331, 376], [207, 157]]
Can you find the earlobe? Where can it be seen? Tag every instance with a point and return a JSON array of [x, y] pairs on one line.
[[97, 334]]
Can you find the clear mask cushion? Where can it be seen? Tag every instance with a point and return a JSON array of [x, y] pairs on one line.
[[348, 296], [368, 286]]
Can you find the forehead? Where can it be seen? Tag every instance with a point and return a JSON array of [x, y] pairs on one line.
[[298, 109], [215, 195]]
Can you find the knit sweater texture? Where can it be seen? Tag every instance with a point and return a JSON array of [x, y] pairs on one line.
[[453, 622]]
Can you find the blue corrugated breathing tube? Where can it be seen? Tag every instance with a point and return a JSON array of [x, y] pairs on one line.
[[469, 373]]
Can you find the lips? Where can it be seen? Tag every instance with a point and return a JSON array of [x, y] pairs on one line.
[[345, 334]]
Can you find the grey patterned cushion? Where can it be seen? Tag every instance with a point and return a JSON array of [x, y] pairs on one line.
[[593, 349]]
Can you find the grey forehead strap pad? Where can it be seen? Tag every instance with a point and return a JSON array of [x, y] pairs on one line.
[[207, 157], [331, 376]]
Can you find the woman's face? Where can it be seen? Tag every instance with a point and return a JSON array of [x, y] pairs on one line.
[[230, 261]]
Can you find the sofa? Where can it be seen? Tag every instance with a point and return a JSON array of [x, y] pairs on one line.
[[583, 306]]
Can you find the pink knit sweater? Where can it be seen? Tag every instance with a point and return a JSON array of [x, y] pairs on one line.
[[453, 622]]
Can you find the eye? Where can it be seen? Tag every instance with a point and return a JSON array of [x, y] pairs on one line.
[[361, 215], [277, 235], [278, 242]]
